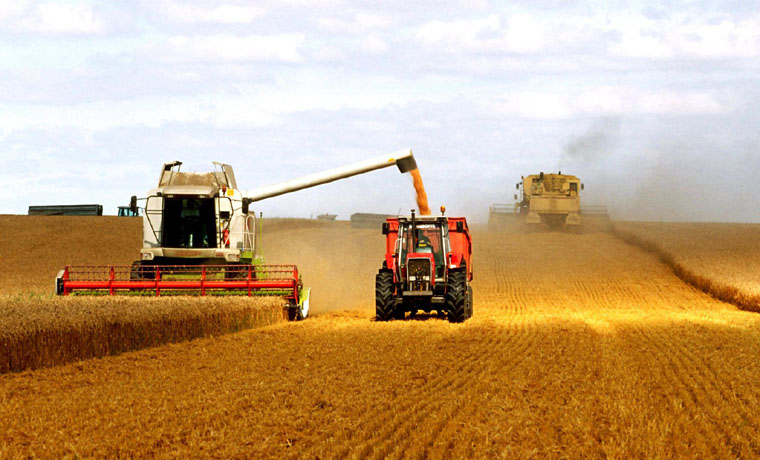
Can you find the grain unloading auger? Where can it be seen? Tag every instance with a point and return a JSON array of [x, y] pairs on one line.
[[200, 238]]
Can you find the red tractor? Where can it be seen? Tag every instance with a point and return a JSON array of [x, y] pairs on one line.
[[428, 266]]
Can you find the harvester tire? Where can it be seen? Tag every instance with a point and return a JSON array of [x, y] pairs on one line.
[[384, 304], [456, 293]]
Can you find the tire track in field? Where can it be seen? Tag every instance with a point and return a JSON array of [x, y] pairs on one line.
[[426, 401], [450, 418], [713, 390], [445, 444], [693, 398]]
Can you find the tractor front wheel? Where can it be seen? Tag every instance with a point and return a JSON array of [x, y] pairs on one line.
[[456, 293], [384, 304]]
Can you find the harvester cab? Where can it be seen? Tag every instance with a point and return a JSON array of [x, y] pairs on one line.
[[428, 266], [200, 234]]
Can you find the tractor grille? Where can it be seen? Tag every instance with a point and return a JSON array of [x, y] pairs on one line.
[[419, 274]]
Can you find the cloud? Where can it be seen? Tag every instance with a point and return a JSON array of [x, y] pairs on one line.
[[220, 14], [357, 23], [229, 48], [605, 101], [520, 34], [62, 19], [675, 37]]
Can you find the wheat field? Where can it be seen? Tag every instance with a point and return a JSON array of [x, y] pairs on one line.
[[720, 259], [581, 346]]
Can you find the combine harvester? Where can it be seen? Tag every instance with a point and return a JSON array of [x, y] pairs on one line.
[[200, 238], [427, 266], [551, 200]]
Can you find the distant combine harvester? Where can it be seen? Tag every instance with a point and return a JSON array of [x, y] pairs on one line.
[[67, 210]]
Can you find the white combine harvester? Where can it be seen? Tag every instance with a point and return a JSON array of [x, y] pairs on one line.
[[200, 237]]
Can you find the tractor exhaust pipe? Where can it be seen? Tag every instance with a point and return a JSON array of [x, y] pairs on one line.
[[403, 159]]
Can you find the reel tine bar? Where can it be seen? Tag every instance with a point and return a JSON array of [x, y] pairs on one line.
[[201, 280]]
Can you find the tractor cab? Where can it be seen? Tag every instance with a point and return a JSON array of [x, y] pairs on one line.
[[424, 240]]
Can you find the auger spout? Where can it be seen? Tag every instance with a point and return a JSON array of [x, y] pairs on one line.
[[403, 159]]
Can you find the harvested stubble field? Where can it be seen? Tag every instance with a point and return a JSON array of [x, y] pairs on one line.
[[581, 346]]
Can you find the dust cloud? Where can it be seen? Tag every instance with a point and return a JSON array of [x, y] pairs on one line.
[[665, 171]]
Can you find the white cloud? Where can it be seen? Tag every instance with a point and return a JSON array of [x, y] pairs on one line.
[[373, 44], [358, 23], [675, 37], [223, 14], [283, 47], [605, 101], [520, 34], [12, 8], [62, 18]]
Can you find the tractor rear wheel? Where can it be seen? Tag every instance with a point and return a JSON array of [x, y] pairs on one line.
[[468, 302], [456, 303], [384, 304]]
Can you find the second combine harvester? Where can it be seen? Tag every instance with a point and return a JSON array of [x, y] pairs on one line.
[[552, 200], [200, 237]]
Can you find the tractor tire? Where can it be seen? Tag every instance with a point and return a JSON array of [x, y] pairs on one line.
[[456, 293], [468, 302], [384, 304]]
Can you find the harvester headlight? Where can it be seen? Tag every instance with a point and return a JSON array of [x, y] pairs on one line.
[[147, 256]]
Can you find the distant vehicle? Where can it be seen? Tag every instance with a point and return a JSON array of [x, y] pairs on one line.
[[67, 210], [427, 266], [549, 199]]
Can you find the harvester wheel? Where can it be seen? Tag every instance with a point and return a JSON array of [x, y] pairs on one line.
[[456, 303], [384, 304]]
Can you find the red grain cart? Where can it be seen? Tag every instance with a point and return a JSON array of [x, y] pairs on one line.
[[427, 266]]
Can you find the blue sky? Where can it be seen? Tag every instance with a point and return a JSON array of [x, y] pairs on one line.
[[654, 106]]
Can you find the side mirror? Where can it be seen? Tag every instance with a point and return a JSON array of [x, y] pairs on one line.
[[515, 196], [582, 187], [460, 226], [386, 228], [517, 186], [133, 205]]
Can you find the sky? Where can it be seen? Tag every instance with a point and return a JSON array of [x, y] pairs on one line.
[[654, 106]]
